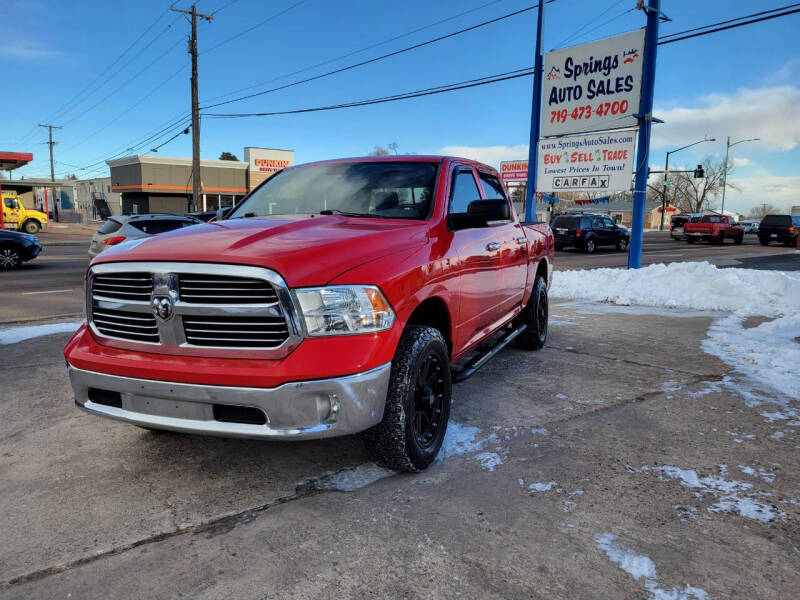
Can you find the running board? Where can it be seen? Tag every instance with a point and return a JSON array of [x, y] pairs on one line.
[[475, 364]]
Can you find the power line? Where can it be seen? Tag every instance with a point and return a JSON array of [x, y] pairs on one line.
[[757, 14], [451, 87], [360, 50], [719, 26], [469, 83], [578, 31], [381, 57], [256, 26]]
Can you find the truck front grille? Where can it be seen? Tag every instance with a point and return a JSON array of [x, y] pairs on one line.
[[126, 325], [123, 286], [227, 332], [224, 289], [193, 309]]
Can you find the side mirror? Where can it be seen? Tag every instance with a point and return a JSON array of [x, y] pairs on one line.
[[222, 213], [480, 213]]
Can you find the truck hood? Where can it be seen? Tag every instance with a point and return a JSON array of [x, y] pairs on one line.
[[304, 249]]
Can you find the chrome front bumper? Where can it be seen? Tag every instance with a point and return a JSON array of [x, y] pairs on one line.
[[300, 410]]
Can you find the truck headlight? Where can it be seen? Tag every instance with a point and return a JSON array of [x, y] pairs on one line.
[[344, 310]]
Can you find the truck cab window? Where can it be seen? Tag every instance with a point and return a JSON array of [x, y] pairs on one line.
[[492, 187], [464, 191]]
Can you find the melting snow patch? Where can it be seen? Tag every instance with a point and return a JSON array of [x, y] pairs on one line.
[[639, 567], [759, 472], [670, 386], [462, 439], [353, 479], [14, 335], [728, 492], [489, 460], [539, 431], [541, 487]]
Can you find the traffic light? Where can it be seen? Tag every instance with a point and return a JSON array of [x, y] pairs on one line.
[[699, 172]]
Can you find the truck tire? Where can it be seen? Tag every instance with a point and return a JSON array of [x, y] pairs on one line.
[[31, 226], [719, 239], [764, 241], [534, 316], [590, 245], [9, 257], [414, 423], [738, 239], [691, 240]]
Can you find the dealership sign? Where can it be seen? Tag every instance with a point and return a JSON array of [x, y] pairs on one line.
[[593, 86], [514, 170], [592, 163]]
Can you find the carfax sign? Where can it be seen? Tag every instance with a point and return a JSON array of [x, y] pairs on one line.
[[594, 86], [591, 163]]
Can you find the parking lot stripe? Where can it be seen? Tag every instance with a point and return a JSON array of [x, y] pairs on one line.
[[45, 292]]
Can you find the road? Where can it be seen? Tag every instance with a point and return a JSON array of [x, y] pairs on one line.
[[52, 285]]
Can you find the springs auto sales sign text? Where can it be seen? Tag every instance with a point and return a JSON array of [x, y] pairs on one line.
[[594, 86]]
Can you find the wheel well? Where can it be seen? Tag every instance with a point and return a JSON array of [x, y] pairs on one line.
[[433, 313], [541, 269]]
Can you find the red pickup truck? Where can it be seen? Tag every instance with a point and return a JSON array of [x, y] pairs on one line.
[[339, 297], [714, 229]]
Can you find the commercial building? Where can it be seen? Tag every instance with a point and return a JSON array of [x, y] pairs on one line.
[[151, 183], [95, 200]]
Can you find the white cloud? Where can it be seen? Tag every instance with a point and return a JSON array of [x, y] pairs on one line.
[[768, 113], [741, 161], [490, 155], [781, 191]]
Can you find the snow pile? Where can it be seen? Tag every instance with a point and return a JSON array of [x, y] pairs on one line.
[[14, 335], [768, 354], [689, 285], [639, 567]]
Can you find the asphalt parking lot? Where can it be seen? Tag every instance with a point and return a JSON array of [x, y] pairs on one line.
[[560, 464]]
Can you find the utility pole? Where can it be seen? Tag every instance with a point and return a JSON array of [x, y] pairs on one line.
[[536, 119], [728, 147], [653, 12], [195, 102], [666, 175], [51, 143]]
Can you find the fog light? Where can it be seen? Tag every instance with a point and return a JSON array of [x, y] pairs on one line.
[[328, 408]]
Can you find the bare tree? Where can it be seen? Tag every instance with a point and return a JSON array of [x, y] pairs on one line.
[[762, 210], [393, 147], [689, 194]]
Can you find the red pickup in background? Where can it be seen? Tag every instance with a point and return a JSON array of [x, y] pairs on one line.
[[340, 297], [714, 229]]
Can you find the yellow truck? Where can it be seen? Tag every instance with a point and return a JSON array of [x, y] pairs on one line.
[[16, 216]]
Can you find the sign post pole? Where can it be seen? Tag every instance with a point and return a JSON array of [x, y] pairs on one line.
[[536, 119], [645, 122]]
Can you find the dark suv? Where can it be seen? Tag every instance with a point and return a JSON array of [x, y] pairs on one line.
[[588, 232], [779, 228]]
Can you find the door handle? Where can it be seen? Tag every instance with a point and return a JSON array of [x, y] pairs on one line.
[[522, 240], [492, 246]]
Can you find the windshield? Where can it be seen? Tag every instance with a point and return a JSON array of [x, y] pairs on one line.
[[396, 190]]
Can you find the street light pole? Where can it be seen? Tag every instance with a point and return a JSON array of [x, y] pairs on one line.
[[725, 167], [666, 175]]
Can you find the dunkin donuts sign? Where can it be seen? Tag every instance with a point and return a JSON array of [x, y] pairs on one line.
[[267, 160]]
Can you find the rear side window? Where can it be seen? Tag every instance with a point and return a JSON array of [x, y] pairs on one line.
[[796, 221], [464, 191], [492, 187], [566, 222], [109, 226], [777, 220], [156, 226]]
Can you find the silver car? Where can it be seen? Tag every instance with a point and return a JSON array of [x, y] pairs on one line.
[[132, 227]]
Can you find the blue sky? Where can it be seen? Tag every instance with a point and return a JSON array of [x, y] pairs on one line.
[[740, 83]]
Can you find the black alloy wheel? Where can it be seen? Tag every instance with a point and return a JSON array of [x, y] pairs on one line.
[[429, 395], [622, 244], [590, 245], [9, 258]]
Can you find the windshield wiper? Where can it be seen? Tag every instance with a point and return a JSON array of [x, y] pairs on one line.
[[336, 211]]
